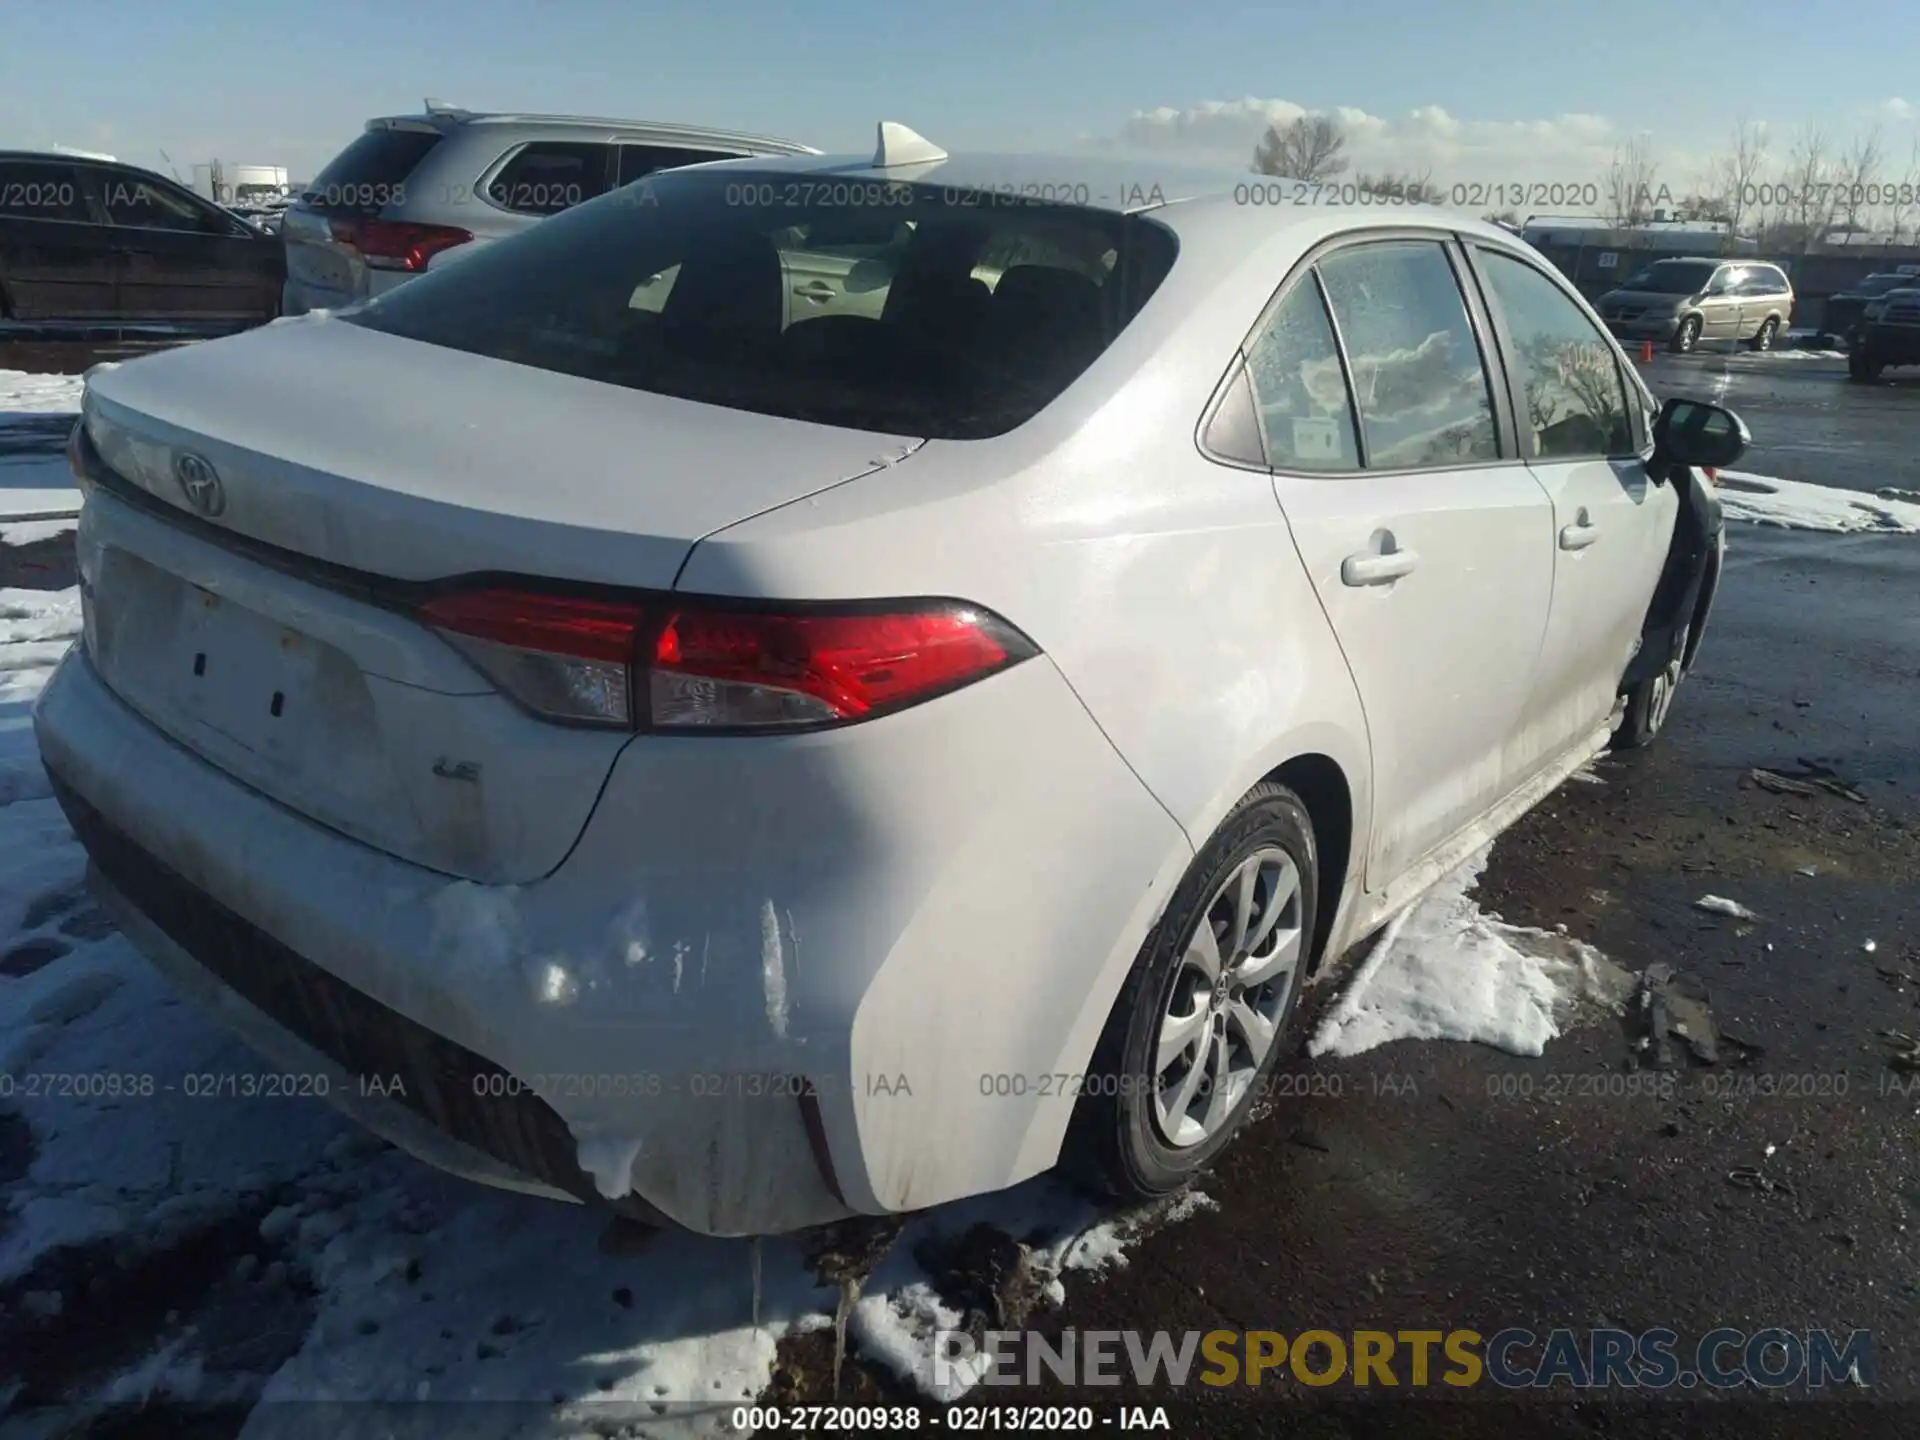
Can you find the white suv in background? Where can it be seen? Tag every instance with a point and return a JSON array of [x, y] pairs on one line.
[[414, 188]]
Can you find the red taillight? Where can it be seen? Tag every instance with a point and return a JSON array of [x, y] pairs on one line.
[[728, 668], [1710, 472], [397, 244], [715, 667]]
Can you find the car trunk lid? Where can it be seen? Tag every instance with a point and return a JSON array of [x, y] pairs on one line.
[[341, 476]]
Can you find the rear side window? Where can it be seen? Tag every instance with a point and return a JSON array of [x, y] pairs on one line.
[[550, 176], [1418, 377], [1573, 403], [35, 190], [639, 161], [937, 318], [1299, 390], [371, 173]]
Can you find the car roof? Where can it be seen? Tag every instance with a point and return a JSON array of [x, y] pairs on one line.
[[1220, 206], [74, 157], [663, 131], [1095, 182]]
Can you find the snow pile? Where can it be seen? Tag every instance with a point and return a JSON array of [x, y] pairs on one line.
[[1795, 505], [39, 394], [33, 532], [1445, 970], [34, 480]]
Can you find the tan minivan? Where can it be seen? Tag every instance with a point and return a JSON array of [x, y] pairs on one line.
[[1685, 301]]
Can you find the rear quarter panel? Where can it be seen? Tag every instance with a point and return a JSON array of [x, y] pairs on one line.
[[1164, 586]]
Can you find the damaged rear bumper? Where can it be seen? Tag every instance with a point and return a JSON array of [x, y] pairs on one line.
[[775, 984]]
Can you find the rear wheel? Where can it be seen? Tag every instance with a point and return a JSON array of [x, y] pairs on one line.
[[1686, 337], [1764, 336], [1205, 1011]]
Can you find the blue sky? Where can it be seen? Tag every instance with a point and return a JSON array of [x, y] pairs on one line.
[[1478, 87]]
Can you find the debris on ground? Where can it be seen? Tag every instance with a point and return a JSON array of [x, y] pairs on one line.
[[986, 1274], [1673, 1004], [1810, 779], [1749, 1177], [1720, 905], [1906, 1058], [844, 1255]]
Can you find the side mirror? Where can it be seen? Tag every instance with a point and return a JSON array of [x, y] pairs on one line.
[[1692, 432]]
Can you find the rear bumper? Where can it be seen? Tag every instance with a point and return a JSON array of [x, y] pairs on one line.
[[776, 982]]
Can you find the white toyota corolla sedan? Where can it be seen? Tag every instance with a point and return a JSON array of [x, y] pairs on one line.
[[823, 686]]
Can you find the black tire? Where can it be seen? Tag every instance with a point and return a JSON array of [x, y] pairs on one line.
[[1763, 337], [1115, 1144], [1686, 337], [1650, 702], [1862, 367]]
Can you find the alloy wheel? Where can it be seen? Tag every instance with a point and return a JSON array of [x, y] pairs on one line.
[[1227, 997]]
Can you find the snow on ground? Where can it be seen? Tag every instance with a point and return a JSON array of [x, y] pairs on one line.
[[34, 480], [1796, 505], [1445, 970], [422, 1286], [41, 394], [32, 532]]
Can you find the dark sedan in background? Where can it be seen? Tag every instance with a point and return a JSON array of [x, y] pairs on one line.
[[99, 259]]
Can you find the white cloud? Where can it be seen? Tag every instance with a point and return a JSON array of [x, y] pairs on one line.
[[1898, 109], [1572, 148]]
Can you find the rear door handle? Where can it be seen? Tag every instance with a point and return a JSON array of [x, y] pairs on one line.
[[1577, 536], [815, 290], [1368, 568]]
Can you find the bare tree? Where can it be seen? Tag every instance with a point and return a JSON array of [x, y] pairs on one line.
[[1812, 195], [1627, 191], [1697, 207], [1736, 175], [1502, 217], [1856, 177], [1401, 188], [1905, 199], [1310, 148]]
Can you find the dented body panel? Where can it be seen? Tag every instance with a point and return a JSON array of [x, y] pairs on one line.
[[667, 987]]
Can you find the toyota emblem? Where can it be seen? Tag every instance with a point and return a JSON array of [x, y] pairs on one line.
[[200, 483]]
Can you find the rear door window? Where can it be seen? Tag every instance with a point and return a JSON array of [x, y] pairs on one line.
[[687, 294], [372, 172], [1418, 376], [639, 161], [40, 190], [1299, 389], [549, 176]]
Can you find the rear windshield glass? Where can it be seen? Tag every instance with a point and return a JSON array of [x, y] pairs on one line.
[[1673, 277], [909, 309], [1881, 284], [372, 172]]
